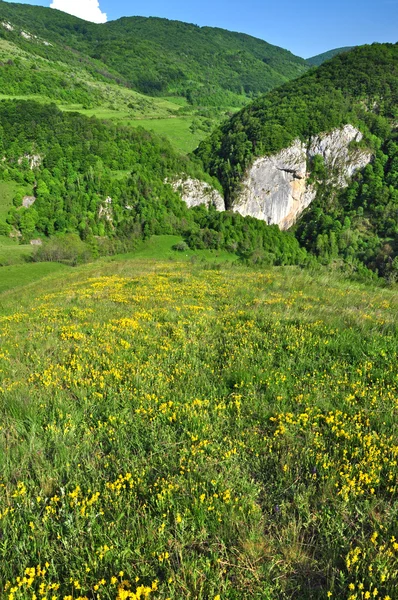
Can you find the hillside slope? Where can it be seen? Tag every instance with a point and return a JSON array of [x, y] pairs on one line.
[[151, 417], [155, 56], [354, 98]]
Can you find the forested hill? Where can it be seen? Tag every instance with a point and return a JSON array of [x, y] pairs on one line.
[[154, 56], [319, 59], [359, 87]]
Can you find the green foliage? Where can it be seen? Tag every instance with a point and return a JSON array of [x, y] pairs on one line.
[[156, 56], [75, 188], [250, 238], [65, 248], [107, 184], [180, 247], [358, 87]]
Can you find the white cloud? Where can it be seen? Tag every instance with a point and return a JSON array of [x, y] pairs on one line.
[[88, 10]]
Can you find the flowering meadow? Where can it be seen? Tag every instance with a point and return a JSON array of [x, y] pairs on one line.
[[177, 430]]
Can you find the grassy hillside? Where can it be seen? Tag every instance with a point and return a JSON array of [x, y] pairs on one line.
[[48, 55], [359, 87], [73, 86], [316, 61], [152, 414]]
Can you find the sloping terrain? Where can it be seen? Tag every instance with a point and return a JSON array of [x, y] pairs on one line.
[[152, 73], [151, 418]]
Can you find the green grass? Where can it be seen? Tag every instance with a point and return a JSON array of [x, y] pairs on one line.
[[204, 433], [158, 115], [160, 247], [17, 276], [176, 129], [11, 252], [8, 189]]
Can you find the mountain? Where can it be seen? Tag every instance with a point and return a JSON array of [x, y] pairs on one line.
[[154, 56], [316, 61], [307, 144]]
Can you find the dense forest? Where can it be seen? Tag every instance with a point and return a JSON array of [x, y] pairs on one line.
[[107, 184], [359, 87], [155, 56]]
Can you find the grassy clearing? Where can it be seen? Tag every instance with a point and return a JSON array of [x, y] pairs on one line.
[[156, 114], [16, 276], [160, 247], [172, 430], [176, 129], [8, 189], [12, 253]]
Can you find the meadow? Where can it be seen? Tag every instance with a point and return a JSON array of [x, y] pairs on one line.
[[194, 429], [11, 252]]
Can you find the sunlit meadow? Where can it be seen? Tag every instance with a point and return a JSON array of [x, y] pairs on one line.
[[174, 430]]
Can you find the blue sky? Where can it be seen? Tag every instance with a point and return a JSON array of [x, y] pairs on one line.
[[306, 28]]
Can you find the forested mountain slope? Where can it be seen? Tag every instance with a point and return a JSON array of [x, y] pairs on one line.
[[155, 56], [358, 89]]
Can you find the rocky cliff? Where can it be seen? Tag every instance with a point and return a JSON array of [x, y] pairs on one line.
[[276, 189], [195, 192]]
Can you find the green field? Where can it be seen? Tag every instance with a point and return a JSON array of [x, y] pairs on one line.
[[11, 252], [17, 276], [160, 247], [16, 272], [176, 129], [181, 429], [158, 115]]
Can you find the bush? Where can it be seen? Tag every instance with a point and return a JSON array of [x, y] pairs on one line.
[[180, 247], [65, 248]]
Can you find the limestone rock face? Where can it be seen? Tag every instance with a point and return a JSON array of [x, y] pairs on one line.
[[340, 158], [195, 192], [105, 210], [276, 188]]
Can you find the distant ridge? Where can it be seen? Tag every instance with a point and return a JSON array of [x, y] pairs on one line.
[[316, 61], [156, 56]]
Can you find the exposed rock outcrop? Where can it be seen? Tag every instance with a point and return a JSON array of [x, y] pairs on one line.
[[34, 160], [276, 188], [105, 210], [28, 201], [195, 192]]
